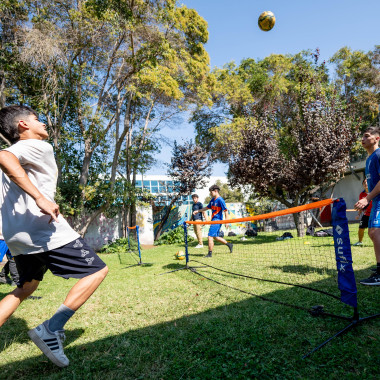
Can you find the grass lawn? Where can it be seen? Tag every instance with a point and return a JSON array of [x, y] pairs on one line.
[[143, 325]]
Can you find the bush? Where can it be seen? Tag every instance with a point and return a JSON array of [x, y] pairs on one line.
[[173, 237], [120, 246]]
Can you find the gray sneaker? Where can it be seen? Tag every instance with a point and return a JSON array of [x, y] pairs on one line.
[[50, 343], [373, 279]]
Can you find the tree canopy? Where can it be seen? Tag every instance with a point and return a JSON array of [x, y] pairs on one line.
[[105, 77]]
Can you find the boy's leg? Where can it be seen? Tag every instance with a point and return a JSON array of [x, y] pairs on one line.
[[84, 288], [74, 260], [374, 234], [4, 273], [10, 303], [198, 233], [361, 234], [210, 243], [362, 226], [13, 269], [221, 240], [76, 297], [374, 279], [224, 241]]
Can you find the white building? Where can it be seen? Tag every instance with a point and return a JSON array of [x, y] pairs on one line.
[[162, 185]]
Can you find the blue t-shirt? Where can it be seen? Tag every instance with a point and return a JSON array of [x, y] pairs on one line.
[[372, 171], [217, 206], [197, 206]]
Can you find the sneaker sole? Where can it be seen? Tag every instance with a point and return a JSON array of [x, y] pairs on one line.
[[372, 284], [45, 349]]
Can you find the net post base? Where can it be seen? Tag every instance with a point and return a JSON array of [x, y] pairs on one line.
[[354, 323]]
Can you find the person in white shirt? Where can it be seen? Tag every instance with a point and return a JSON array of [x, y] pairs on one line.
[[35, 231]]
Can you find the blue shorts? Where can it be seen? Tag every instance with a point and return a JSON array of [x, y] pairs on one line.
[[214, 230], [3, 250], [374, 218], [73, 260]]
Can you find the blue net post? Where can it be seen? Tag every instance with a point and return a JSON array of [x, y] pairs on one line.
[[138, 242], [346, 276], [186, 246]]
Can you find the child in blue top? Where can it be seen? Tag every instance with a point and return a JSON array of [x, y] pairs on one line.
[[217, 206]]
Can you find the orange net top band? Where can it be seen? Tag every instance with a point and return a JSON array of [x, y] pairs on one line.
[[270, 215], [131, 228]]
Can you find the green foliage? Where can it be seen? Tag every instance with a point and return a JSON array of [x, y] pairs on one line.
[[105, 77], [175, 236], [120, 246], [228, 194], [357, 80]]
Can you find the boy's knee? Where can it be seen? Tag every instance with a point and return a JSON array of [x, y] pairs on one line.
[[374, 233], [27, 289]]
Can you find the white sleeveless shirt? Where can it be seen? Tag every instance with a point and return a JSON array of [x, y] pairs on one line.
[[25, 228]]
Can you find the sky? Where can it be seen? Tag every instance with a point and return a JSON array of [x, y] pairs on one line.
[[300, 25]]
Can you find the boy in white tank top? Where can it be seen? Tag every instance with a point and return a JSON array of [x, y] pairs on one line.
[[35, 231]]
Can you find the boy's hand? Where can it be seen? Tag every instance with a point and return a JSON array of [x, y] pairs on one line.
[[195, 212], [359, 205], [48, 208]]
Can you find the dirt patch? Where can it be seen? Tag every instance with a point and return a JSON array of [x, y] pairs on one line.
[[147, 246]]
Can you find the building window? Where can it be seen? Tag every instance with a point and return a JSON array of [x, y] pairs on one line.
[[162, 186]]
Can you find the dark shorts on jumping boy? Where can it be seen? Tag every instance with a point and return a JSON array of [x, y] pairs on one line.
[[73, 260]]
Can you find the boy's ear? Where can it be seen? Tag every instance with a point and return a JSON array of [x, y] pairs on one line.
[[22, 125]]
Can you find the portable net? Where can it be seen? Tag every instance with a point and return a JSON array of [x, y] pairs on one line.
[[132, 256], [283, 265], [277, 264]]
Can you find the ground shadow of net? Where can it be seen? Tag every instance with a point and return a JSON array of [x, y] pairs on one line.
[[303, 269]]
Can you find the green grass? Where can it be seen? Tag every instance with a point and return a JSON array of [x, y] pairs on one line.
[[143, 325]]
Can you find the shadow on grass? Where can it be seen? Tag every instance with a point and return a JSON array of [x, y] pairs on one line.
[[242, 340], [15, 329], [131, 259], [303, 269]]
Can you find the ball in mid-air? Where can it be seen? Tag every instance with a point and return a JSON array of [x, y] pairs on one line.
[[180, 255], [266, 21]]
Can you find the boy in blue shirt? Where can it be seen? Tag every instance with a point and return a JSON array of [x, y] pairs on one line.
[[370, 142], [217, 206]]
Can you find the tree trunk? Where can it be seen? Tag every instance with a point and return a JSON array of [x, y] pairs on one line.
[[165, 218], [82, 232], [299, 220]]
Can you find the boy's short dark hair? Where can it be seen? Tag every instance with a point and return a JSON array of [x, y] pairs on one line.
[[373, 130], [194, 196], [9, 121], [214, 187]]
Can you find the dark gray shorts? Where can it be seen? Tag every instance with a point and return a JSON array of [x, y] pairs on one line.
[[73, 260]]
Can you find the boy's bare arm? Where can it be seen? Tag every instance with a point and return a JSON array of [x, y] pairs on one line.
[[10, 165], [201, 210], [359, 205], [226, 217]]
